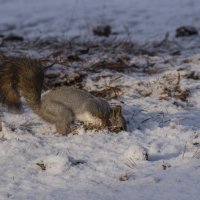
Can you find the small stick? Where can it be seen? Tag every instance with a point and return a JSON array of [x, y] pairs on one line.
[[0, 124], [184, 150]]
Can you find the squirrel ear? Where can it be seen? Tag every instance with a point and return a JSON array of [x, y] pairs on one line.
[[117, 110]]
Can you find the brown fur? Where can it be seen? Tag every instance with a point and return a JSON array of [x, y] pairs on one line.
[[16, 74]]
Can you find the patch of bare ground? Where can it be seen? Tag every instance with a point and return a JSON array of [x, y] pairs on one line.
[[72, 62], [165, 88]]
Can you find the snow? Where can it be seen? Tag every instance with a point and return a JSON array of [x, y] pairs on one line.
[[143, 20], [37, 163]]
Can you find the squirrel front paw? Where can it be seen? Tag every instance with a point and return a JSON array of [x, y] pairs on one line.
[[63, 129]]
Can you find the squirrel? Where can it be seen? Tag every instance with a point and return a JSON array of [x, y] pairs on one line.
[[61, 106]]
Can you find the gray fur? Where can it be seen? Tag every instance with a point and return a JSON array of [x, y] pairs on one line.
[[63, 105]]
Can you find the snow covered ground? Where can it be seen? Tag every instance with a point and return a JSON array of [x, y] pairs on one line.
[[143, 19], [158, 88]]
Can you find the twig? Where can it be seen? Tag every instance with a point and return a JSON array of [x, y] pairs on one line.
[[145, 120], [196, 154], [184, 150]]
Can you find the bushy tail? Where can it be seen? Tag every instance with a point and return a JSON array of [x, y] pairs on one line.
[[20, 76], [9, 93]]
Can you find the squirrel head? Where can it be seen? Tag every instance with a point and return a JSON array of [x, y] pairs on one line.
[[116, 120]]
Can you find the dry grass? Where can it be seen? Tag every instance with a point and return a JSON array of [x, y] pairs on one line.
[[41, 165], [26, 126], [176, 91], [196, 154], [118, 66], [126, 176], [130, 163], [165, 88], [165, 165], [109, 93]]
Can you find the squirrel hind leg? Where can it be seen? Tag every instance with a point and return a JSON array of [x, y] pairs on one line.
[[58, 114], [63, 122], [63, 128], [12, 101]]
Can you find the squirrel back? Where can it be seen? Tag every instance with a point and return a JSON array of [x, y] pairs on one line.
[[80, 103]]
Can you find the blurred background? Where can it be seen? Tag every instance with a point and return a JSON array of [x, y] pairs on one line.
[[139, 19]]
